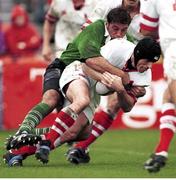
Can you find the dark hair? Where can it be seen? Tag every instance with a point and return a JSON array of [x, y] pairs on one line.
[[119, 15], [147, 48]]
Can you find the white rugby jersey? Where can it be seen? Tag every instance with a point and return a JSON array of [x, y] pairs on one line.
[[104, 6], [118, 52], [69, 21], [162, 14]]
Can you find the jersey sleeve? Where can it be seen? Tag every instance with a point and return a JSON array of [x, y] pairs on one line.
[[141, 79], [150, 17], [91, 40], [52, 14]]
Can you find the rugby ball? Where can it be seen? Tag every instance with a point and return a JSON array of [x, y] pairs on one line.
[[102, 89]]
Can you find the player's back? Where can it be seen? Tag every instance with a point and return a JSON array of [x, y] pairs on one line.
[[163, 13]]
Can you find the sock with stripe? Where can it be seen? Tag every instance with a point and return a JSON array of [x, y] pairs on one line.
[[65, 119], [101, 122], [34, 117], [167, 128], [40, 131]]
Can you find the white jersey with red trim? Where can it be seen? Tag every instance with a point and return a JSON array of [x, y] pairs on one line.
[[104, 6], [162, 14], [117, 52], [68, 20]]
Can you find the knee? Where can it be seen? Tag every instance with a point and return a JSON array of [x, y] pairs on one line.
[[51, 97], [83, 101]]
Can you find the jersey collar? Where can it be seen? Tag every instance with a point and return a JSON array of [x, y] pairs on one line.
[[107, 36]]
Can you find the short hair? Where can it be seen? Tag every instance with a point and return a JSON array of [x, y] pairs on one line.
[[147, 48], [119, 15]]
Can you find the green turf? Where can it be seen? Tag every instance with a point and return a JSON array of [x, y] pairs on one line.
[[116, 154]]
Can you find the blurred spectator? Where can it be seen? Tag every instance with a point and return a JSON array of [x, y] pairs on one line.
[[2, 40], [68, 16], [22, 37]]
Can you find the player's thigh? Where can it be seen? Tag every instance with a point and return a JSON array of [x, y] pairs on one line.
[[78, 90]]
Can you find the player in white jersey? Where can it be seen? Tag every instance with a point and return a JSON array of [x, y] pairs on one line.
[[133, 6], [67, 18], [103, 7], [138, 59], [158, 20], [112, 53], [120, 53]]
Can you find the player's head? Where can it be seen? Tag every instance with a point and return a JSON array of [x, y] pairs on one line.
[[78, 4], [118, 20], [19, 16], [147, 52], [130, 3]]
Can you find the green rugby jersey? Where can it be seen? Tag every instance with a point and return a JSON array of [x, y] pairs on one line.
[[86, 44]]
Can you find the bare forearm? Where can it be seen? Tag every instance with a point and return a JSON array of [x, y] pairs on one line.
[[101, 64], [91, 72], [126, 101], [48, 30]]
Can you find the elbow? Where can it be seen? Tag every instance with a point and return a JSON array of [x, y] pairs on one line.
[[127, 109]]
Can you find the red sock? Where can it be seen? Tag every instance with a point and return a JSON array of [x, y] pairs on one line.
[[167, 127], [25, 150], [63, 121], [101, 122], [166, 136]]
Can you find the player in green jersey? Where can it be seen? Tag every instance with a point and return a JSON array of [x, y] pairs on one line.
[[86, 45]]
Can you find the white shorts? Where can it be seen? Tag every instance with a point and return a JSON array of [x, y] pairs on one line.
[[74, 71], [71, 72], [169, 63]]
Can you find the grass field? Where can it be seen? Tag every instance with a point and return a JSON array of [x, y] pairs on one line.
[[117, 154]]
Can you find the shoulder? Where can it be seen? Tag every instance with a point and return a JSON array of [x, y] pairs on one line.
[[99, 24], [57, 5], [120, 44]]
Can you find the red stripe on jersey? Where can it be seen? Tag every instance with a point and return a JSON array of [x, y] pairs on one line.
[[51, 18], [150, 18], [148, 28], [88, 21]]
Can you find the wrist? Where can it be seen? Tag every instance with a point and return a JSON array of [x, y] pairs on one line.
[[128, 86]]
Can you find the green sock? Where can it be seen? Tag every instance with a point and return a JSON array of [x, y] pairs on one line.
[[39, 131], [34, 116]]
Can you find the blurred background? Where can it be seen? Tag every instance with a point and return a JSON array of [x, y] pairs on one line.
[[21, 71]]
